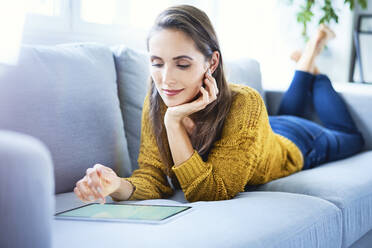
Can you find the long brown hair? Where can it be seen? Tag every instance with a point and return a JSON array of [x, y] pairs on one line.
[[209, 121]]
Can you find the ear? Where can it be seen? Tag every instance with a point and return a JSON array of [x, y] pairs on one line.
[[214, 61]]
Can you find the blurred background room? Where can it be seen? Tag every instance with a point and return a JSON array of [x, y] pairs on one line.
[[267, 31], [74, 75]]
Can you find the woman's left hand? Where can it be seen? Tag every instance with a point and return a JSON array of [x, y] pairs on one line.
[[177, 113]]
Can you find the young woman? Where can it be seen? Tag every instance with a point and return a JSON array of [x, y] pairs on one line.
[[211, 138]]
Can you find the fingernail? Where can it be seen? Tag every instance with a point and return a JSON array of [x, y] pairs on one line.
[[91, 198], [99, 190]]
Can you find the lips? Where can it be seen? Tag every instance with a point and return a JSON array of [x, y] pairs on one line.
[[172, 91]]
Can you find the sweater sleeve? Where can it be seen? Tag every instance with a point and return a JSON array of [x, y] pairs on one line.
[[149, 180], [232, 160]]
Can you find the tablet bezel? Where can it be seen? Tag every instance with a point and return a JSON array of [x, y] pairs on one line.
[[166, 220]]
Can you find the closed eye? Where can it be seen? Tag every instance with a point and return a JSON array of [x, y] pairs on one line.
[[181, 66]]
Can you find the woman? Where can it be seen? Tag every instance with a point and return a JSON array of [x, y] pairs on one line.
[[212, 138]]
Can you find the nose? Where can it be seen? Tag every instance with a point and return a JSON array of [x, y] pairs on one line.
[[167, 76]]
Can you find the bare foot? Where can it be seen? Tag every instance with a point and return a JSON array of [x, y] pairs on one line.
[[313, 47], [296, 55], [322, 37]]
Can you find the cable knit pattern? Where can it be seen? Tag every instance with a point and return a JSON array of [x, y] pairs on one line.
[[249, 152]]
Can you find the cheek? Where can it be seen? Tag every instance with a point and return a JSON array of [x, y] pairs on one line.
[[198, 81], [155, 75], [194, 87], [157, 79], [196, 78]]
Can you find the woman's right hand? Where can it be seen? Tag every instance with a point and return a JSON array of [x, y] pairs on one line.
[[99, 182]]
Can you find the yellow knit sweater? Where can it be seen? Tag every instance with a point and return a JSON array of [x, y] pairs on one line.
[[249, 152]]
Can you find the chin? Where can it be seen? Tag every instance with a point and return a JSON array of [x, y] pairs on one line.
[[173, 103]]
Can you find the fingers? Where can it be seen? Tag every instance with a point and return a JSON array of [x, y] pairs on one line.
[[212, 86], [99, 168], [205, 96], [90, 187], [79, 194], [83, 191], [104, 173], [94, 182]]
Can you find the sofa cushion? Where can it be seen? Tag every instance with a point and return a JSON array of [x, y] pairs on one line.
[[245, 71], [347, 183], [132, 74], [66, 96], [251, 219], [132, 68], [364, 241], [26, 191]]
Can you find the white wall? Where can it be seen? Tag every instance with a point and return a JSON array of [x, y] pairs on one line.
[[333, 61], [264, 30]]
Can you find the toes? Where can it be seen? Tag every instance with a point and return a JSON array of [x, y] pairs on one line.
[[329, 33]]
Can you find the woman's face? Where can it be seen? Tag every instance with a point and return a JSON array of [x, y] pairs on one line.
[[176, 64]]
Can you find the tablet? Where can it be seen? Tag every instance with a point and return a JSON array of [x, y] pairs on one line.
[[119, 212]]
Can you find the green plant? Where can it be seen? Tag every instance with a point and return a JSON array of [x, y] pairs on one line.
[[305, 14]]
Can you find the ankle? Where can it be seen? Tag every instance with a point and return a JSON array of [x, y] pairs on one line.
[[306, 63], [316, 71], [305, 72]]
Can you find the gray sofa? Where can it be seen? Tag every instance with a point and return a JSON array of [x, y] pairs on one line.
[[67, 107]]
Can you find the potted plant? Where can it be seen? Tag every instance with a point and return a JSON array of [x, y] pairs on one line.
[[305, 14]]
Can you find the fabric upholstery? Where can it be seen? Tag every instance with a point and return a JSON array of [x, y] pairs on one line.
[[26, 191], [66, 96], [252, 219], [346, 183]]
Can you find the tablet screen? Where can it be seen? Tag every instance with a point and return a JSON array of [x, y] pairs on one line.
[[124, 211]]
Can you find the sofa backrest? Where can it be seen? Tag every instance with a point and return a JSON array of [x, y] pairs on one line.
[[132, 67], [84, 102], [66, 96]]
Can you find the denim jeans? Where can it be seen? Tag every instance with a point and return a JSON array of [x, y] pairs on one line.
[[337, 137]]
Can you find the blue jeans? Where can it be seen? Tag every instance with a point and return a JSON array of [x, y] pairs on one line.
[[336, 139]]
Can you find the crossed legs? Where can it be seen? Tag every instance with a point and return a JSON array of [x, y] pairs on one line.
[[310, 86]]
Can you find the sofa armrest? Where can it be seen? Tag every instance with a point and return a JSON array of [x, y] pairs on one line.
[[358, 99], [27, 198]]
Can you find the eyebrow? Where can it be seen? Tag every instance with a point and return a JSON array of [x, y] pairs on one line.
[[175, 58]]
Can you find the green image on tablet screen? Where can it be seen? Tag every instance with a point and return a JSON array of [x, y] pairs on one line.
[[133, 212]]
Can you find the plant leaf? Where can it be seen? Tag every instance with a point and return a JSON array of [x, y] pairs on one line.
[[351, 3], [363, 3]]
